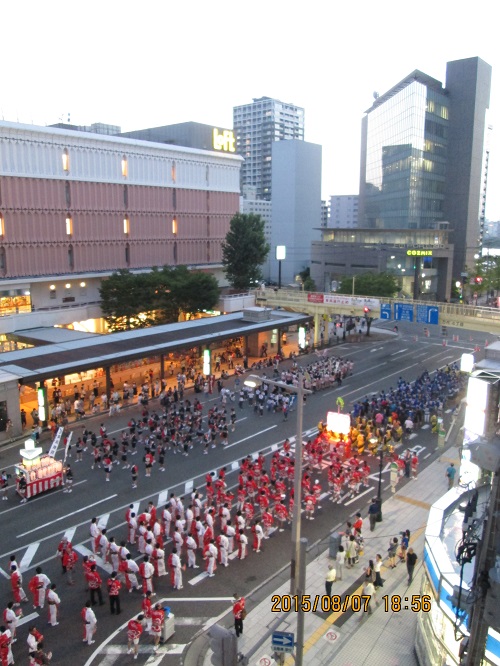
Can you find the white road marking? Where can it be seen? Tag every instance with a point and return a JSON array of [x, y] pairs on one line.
[[162, 498], [399, 352], [103, 521], [27, 618], [261, 432], [197, 579], [99, 561], [188, 487], [84, 508], [427, 455], [28, 556], [4, 574], [369, 490], [426, 426], [70, 533], [187, 621]]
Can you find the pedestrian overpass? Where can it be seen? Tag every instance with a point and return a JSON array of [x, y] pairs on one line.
[[466, 317]]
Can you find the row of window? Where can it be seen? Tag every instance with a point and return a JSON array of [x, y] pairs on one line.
[[124, 166], [69, 225], [71, 262]]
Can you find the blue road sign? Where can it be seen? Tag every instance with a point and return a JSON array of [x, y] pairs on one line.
[[427, 314], [385, 311], [403, 312], [283, 641]]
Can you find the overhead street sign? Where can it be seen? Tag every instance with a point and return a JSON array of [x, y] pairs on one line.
[[427, 314], [283, 641], [385, 311], [403, 312]]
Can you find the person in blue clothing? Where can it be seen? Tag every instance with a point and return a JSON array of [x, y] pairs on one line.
[[450, 473]]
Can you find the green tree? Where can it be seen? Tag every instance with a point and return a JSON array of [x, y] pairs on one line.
[[307, 281], [126, 301], [131, 301], [181, 290], [370, 284], [244, 251]]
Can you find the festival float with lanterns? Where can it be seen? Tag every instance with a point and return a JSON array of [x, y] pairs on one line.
[[42, 472]]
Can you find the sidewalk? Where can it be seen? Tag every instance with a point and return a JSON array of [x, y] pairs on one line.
[[386, 637]]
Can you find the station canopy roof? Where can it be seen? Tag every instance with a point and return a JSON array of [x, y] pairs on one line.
[[98, 351]]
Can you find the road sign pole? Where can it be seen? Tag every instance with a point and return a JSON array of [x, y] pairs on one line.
[[301, 588]]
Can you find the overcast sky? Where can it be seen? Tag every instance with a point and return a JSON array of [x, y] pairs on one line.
[[154, 63]]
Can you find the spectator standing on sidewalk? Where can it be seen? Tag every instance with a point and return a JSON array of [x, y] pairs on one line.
[[369, 591], [373, 511], [330, 579], [450, 474], [340, 560], [391, 551], [411, 560]]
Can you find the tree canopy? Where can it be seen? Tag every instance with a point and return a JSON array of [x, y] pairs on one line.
[[131, 300], [244, 251], [370, 284]]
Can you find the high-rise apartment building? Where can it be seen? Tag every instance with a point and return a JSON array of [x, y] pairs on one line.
[[257, 126], [343, 211]]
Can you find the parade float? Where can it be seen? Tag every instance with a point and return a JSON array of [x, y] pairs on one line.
[[41, 472]]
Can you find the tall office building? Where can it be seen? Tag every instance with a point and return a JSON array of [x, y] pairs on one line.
[[343, 211], [422, 157], [257, 126]]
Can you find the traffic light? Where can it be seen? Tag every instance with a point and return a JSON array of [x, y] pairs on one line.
[[366, 310], [223, 645], [478, 280]]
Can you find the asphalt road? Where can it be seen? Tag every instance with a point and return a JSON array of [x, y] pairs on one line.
[[33, 531]]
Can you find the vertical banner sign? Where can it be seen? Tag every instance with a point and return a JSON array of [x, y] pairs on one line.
[[207, 370]]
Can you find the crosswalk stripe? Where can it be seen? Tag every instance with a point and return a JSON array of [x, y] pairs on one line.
[[103, 520], [188, 487], [162, 498], [4, 574], [235, 465], [28, 556], [70, 533], [197, 579], [98, 560], [25, 619]]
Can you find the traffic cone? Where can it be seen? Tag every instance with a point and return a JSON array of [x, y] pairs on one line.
[[445, 342], [486, 343]]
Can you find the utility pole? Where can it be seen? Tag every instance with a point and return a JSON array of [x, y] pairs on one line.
[[485, 560]]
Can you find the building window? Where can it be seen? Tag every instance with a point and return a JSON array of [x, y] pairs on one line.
[[173, 172], [174, 199], [67, 193], [69, 226], [71, 257], [174, 226], [175, 253], [127, 254], [52, 291], [126, 225], [125, 196], [3, 260], [124, 166], [208, 252], [65, 160], [2, 226]]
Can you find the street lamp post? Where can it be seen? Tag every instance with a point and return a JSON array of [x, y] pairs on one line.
[[297, 560], [300, 392], [374, 439]]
